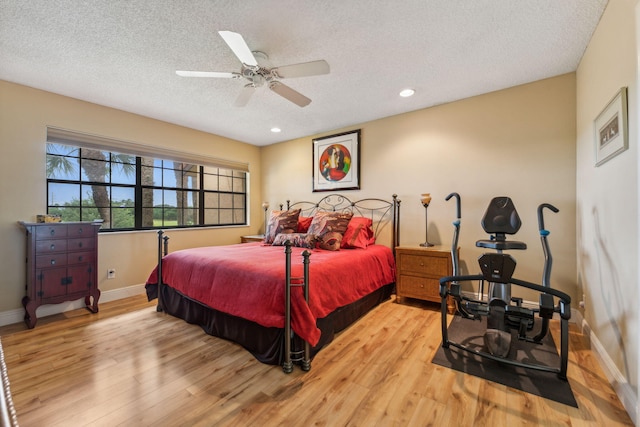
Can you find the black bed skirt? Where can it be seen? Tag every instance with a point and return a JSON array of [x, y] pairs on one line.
[[265, 343]]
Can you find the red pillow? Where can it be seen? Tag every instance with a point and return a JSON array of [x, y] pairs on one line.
[[359, 233], [303, 223]]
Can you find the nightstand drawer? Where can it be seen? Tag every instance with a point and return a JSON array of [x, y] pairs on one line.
[[420, 264], [419, 272], [419, 287]]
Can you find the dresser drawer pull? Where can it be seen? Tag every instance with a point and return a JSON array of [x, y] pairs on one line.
[[421, 264], [53, 262], [52, 231], [53, 246], [80, 258]]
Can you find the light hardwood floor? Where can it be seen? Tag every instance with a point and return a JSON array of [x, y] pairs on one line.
[[129, 365]]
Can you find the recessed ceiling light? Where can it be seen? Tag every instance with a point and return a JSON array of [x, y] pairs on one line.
[[276, 130], [407, 93]]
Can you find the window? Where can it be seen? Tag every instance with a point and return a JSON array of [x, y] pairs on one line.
[[131, 192]]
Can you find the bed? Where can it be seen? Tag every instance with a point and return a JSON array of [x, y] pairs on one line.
[[321, 266]]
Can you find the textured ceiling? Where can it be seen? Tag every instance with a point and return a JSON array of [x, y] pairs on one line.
[[124, 54]]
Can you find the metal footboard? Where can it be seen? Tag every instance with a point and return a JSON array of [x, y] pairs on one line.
[[301, 356]]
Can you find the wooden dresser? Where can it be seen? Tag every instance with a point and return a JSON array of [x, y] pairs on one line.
[[62, 260], [419, 271]]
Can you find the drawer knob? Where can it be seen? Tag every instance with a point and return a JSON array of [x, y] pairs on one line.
[[52, 231], [53, 262], [53, 247], [80, 258], [80, 244], [421, 264]]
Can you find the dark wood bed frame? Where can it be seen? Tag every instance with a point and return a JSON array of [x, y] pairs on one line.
[[382, 212]]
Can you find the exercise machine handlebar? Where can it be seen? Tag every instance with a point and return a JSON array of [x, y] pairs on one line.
[[456, 234], [458, 210], [548, 259]]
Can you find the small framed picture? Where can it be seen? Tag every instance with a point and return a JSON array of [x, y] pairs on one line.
[[336, 162], [610, 128]]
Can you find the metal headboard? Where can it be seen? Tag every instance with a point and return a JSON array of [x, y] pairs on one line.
[[382, 212]]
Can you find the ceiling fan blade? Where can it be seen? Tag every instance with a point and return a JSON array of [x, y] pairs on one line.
[[245, 95], [312, 68], [290, 94], [239, 47], [208, 74]]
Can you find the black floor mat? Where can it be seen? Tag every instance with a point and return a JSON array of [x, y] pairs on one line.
[[543, 384]]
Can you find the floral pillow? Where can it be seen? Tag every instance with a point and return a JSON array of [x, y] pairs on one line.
[[281, 222], [359, 233], [329, 227], [300, 240]]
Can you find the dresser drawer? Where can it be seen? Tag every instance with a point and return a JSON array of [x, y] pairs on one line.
[[51, 231], [419, 287], [80, 230], [80, 257], [52, 260], [78, 244], [434, 266], [49, 246]]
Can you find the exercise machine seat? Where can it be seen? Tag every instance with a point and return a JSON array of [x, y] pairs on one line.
[[500, 219]]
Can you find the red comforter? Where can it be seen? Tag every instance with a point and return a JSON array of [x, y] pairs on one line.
[[247, 280]]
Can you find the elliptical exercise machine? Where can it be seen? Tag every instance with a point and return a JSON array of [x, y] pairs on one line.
[[504, 312]]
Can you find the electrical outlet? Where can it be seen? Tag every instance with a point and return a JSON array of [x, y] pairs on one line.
[[111, 273]]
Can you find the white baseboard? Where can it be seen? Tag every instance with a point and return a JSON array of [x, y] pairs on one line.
[[16, 316], [621, 386]]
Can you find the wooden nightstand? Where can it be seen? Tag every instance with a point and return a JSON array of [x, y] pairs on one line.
[[254, 238], [419, 271]]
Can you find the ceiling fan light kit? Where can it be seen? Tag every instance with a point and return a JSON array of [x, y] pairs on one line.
[[259, 76]]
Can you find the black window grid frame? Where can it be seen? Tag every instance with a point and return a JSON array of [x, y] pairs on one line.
[[138, 191]]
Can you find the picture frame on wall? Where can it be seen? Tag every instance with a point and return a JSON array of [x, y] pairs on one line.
[[336, 162], [610, 129]]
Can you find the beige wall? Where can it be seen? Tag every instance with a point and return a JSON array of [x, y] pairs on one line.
[[24, 115], [518, 142], [607, 199]]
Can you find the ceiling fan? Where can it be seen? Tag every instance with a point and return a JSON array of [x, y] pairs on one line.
[[258, 75]]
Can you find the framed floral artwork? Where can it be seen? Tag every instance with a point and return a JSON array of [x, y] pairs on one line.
[[336, 162]]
